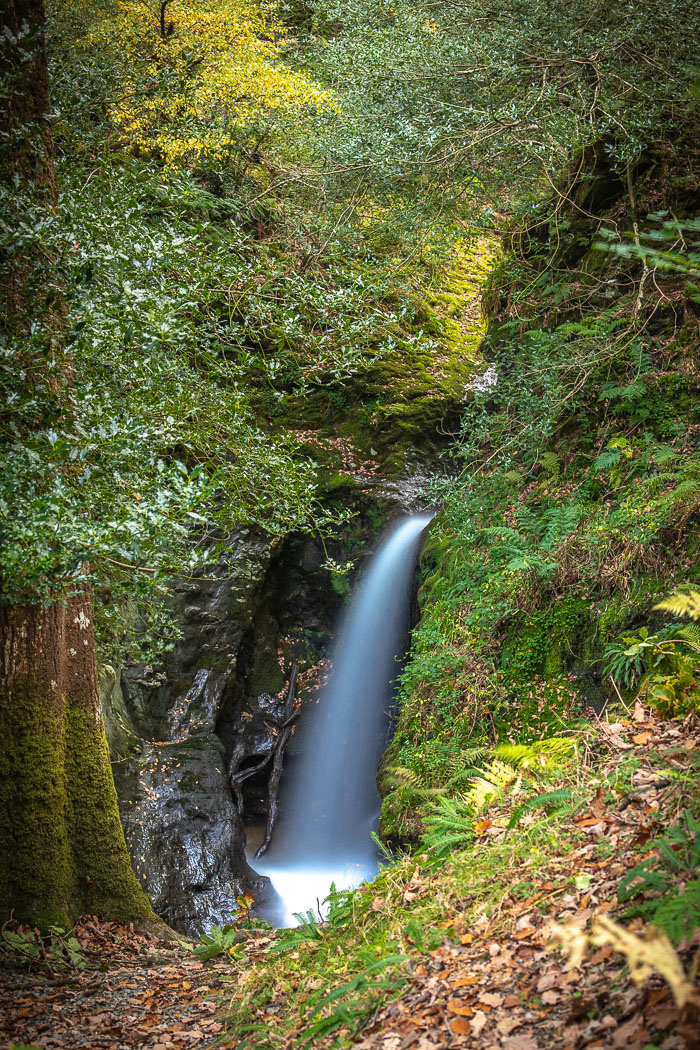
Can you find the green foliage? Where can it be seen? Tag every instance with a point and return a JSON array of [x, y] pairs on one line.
[[449, 825], [629, 659], [670, 245], [668, 676], [550, 800], [306, 930], [498, 74], [57, 950], [574, 509], [677, 694], [540, 756], [223, 939], [682, 603], [349, 1003], [155, 430], [449, 821], [665, 888], [219, 940]]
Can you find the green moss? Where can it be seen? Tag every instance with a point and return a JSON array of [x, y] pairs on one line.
[[105, 882], [62, 848], [37, 872], [399, 399]]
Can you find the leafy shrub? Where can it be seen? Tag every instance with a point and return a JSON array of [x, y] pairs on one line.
[[58, 950]]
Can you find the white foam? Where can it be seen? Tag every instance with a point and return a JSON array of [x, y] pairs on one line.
[[304, 888]]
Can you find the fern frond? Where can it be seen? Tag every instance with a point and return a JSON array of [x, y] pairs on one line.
[[472, 755], [494, 779], [555, 799], [682, 603], [448, 823], [400, 776], [499, 773], [548, 754], [679, 914], [461, 779], [691, 634]]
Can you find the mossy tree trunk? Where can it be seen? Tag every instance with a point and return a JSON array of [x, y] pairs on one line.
[[62, 848]]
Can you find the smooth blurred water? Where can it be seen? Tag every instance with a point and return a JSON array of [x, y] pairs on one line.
[[330, 802]]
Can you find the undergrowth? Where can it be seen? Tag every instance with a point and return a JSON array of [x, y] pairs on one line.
[[577, 502], [317, 984]]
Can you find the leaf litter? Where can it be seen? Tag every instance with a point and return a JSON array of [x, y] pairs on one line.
[[509, 986], [135, 990], [500, 979]]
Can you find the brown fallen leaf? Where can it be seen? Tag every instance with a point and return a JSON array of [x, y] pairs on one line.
[[478, 1022], [627, 1032], [458, 1006], [521, 1042], [520, 935], [598, 806], [465, 981], [460, 1026], [491, 998], [508, 1024]]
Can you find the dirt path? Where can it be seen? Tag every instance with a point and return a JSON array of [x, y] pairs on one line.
[[134, 992]]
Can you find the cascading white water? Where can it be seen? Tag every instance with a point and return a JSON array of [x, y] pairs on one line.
[[330, 803]]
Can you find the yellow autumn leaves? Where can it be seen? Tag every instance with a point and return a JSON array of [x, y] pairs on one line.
[[199, 76]]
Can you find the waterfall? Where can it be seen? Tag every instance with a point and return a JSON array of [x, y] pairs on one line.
[[330, 803]]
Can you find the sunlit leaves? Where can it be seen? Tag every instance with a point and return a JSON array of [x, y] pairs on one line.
[[197, 76]]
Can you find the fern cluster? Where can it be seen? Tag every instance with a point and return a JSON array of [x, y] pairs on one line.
[[682, 603], [665, 665], [449, 819], [665, 888]]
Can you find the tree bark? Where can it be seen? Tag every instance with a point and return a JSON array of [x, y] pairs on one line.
[[62, 848], [26, 106]]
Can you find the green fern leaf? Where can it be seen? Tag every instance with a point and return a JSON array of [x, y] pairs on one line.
[[691, 634], [545, 755], [682, 603], [679, 915], [555, 799]]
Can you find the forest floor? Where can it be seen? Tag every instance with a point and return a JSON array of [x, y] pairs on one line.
[[500, 984], [134, 991], [507, 986]]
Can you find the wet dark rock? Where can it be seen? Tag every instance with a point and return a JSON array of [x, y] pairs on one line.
[[184, 833], [185, 836]]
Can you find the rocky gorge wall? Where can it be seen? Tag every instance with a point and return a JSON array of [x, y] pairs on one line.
[[177, 731]]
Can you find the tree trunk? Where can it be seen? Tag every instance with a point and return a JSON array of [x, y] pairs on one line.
[[62, 848], [29, 152]]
